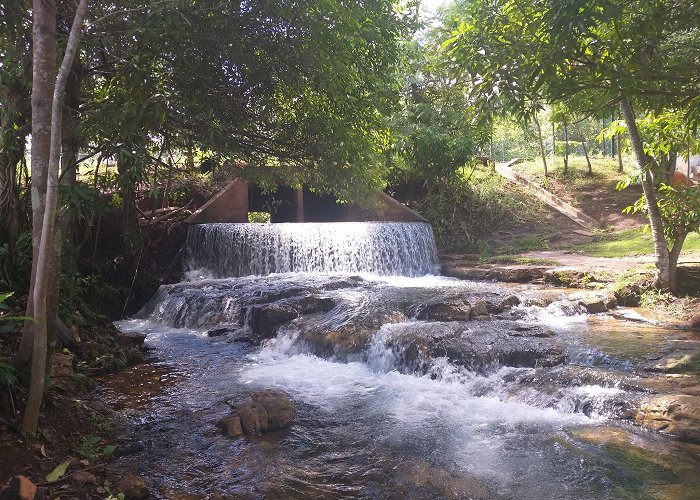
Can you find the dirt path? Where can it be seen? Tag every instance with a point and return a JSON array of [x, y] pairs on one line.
[[570, 259]]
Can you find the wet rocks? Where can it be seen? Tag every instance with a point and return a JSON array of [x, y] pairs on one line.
[[264, 319], [348, 338], [594, 306], [595, 303], [218, 332], [484, 351], [675, 414], [18, 488], [262, 411], [513, 274], [454, 309], [483, 348], [133, 487], [504, 305], [131, 339], [458, 309], [677, 362], [230, 425], [479, 311], [570, 277]]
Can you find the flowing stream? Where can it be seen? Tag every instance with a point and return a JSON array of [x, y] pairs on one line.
[[391, 401]]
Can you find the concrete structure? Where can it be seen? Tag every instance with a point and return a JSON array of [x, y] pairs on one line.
[[234, 201], [692, 171]]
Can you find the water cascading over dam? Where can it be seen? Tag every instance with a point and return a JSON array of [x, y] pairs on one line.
[[407, 384], [381, 248]]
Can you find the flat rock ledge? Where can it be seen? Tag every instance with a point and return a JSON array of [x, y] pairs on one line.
[[261, 412], [676, 414], [560, 276]]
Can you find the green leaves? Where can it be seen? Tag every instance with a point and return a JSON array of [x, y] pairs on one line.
[[92, 449], [58, 472], [296, 90]]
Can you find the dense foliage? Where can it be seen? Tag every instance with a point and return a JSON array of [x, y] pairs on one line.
[[589, 55]]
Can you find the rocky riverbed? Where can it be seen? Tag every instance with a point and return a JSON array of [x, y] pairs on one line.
[[424, 386]]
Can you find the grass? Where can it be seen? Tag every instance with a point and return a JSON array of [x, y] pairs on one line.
[[604, 171], [576, 182], [469, 207], [630, 243], [530, 243], [526, 261]]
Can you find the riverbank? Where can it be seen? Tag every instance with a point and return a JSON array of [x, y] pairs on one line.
[[624, 279], [68, 455]]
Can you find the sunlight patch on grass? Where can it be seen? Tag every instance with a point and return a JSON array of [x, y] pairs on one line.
[[632, 242]]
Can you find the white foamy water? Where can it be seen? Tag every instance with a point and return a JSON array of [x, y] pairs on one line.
[[327, 313], [382, 248]]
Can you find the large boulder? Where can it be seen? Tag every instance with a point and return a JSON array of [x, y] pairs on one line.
[[454, 309], [479, 311], [347, 339], [676, 414], [265, 319], [596, 302], [484, 350], [262, 411], [479, 347]]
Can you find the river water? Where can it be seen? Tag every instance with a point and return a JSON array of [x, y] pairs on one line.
[[389, 404]]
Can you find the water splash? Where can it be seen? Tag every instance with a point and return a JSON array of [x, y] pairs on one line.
[[382, 248]]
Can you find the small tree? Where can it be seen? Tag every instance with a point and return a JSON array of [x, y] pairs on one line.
[[40, 283], [603, 53]]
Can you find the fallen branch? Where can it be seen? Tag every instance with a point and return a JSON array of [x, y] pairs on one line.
[[170, 212]]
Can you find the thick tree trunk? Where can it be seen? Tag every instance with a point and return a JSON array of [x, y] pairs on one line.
[[644, 164], [47, 245], [673, 256], [43, 74], [539, 138]]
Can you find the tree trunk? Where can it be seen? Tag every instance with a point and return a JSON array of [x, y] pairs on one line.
[[673, 256], [554, 143], [566, 146], [189, 154], [539, 138], [618, 142], [644, 164], [126, 168], [13, 135], [42, 279], [585, 150], [71, 146], [43, 73]]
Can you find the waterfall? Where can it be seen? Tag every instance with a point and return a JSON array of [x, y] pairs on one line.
[[382, 248]]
